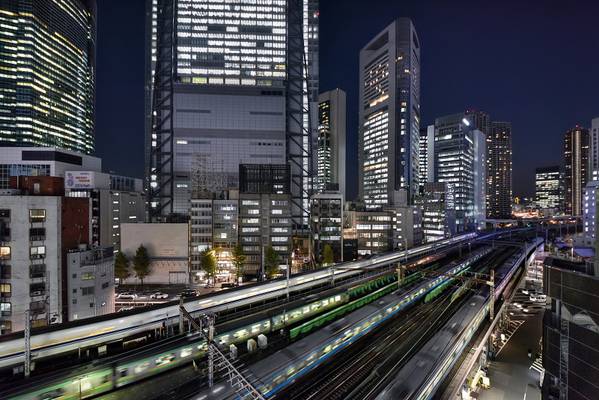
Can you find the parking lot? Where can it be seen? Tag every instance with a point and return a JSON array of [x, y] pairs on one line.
[[128, 297]]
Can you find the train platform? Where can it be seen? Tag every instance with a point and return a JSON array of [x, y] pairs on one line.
[[512, 375], [417, 372]]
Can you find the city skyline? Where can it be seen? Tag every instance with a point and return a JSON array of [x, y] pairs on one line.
[[298, 199], [122, 32]]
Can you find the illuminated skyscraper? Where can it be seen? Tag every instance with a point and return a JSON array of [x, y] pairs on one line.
[[426, 156], [459, 162], [229, 83], [47, 73], [499, 170], [389, 115], [331, 140], [576, 159], [548, 188]]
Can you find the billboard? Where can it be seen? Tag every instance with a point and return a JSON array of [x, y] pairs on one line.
[[86, 180]]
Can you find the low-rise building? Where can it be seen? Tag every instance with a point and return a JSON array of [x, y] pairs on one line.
[[90, 273], [264, 220], [408, 227], [374, 230], [326, 216], [42, 161], [115, 200]]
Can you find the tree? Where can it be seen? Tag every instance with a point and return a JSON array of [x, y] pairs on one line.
[[328, 257], [141, 263], [121, 267], [271, 262], [208, 263], [238, 259]]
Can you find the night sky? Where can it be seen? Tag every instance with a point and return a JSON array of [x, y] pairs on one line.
[[534, 63]]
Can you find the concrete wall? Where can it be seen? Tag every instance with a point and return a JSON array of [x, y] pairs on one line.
[[168, 248]]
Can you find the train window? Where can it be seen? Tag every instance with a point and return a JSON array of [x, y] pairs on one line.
[[123, 373]]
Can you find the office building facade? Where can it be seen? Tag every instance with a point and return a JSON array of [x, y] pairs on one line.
[[426, 156], [326, 216], [240, 86], [576, 164], [265, 214], [389, 115], [331, 140], [438, 216], [408, 226], [549, 188], [459, 162], [499, 170], [47, 86]]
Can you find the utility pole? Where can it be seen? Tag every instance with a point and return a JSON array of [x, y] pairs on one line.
[[401, 271], [288, 278], [27, 367], [492, 295], [210, 319], [181, 320], [262, 266]]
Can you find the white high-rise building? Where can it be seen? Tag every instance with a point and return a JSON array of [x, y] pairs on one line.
[[459, 156], [389, 115]]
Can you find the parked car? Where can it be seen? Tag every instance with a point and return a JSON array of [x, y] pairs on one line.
[[188, 293], [126, 296], [159, 295]]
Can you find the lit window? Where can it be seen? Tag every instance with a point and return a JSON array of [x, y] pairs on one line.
[[37, 215], [4, 253]]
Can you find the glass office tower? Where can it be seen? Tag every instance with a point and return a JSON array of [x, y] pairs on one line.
[[389, 115], [47, 73], [228, 83], [548, 188], [459, 162]]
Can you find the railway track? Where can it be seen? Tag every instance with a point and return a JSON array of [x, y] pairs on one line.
[[357, 373]]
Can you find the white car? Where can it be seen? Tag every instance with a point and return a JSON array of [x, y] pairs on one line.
[[159, 295], [126, 296]]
